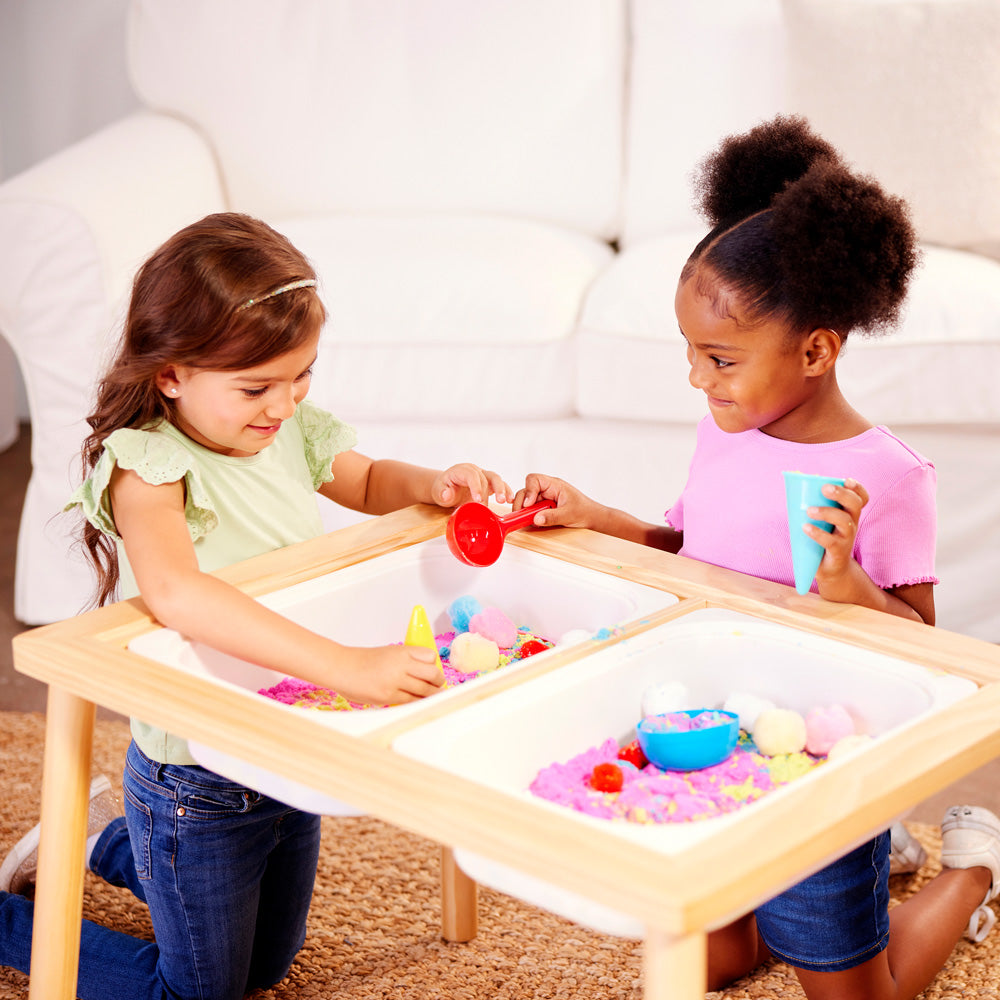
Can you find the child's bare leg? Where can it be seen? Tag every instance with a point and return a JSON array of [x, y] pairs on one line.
[[922, 933], [734, 951]]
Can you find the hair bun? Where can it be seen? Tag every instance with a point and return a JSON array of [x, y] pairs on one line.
[[799, 236], [846, 247], [747, 171]]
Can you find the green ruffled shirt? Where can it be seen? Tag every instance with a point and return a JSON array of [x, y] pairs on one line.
[[235, 508]]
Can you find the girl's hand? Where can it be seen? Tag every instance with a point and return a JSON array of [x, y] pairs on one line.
[[575, 510], [841, 578], [572, 510], [838, 560], [386, 675], [467, 481]]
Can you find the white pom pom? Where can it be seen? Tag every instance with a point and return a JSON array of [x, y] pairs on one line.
[[748, 707], [669, 696]]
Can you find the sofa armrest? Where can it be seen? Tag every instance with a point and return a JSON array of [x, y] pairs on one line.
[[73, 229], [128, 187]]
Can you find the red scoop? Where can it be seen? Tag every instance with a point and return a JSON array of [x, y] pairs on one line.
[[476, 534]]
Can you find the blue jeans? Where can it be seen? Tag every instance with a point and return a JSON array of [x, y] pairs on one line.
[[835, 919], [227, 875]]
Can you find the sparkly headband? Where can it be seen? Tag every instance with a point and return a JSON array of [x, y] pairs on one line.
[[290, 287]]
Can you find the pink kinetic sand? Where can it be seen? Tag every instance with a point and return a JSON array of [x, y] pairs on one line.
[[681, 722], [649, 795], [292, 691]]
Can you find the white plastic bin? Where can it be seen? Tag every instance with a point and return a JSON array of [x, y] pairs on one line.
[[504, 741], [369, 604]]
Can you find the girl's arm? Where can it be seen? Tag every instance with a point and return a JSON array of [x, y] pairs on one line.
[[840, 576], [150, 521], [574, 510], [384, 485]]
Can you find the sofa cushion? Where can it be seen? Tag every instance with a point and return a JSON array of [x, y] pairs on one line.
[[936, 368], [925, 75], [698, 71], [447, 317], [354, 106], [631, 361]]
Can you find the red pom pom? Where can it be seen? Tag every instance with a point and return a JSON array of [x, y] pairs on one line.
[[632, 752], [607, 778], [532, 646]]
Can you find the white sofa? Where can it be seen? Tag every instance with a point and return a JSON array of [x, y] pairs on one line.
[[497, 197]]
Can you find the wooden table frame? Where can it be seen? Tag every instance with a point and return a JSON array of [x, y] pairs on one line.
[[85, 662]]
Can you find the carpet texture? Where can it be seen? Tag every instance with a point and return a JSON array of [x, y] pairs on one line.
[[374, 924]]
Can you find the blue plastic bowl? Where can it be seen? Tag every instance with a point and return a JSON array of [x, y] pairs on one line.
[[692, 750]]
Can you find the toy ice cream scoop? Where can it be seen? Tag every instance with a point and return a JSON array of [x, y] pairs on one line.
[[476, 535]]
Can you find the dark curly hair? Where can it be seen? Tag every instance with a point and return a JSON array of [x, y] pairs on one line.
[[798, 237]]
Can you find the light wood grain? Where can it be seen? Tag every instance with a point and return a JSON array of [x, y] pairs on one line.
[[678, 896]]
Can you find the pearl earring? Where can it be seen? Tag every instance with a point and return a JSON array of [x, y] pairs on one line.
[[173, 392]]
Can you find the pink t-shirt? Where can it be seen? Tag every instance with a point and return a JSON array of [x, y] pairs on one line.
[[733, 514]]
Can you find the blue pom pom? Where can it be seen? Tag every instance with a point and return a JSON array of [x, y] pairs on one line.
[[461, 610]]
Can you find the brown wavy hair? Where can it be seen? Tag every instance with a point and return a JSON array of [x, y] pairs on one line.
[[185, 309]]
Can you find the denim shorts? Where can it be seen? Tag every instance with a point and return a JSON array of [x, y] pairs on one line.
[[835, 919]]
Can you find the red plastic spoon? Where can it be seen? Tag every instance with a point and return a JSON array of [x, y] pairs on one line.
[[476, 534]]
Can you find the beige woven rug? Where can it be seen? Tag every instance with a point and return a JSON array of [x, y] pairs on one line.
[[374, 923]]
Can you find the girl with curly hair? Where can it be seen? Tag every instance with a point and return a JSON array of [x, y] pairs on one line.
[[801, 254]]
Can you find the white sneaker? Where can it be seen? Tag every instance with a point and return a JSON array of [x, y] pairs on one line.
[[20, 868], [970, 837], [907, 853]]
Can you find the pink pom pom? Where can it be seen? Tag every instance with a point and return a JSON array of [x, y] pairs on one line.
[[825, 727], [494, 624]]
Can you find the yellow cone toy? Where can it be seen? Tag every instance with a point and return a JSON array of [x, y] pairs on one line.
[[419, 633]]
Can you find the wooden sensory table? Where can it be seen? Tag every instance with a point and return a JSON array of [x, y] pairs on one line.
[[85, 662]]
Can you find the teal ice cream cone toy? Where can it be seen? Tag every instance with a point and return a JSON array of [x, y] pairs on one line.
[[803, 491]]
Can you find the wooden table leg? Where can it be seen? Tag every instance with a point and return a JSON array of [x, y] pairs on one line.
[[674, 966], [55, 950], [459, 900]]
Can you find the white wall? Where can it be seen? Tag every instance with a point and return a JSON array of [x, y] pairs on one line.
[[62, 76]]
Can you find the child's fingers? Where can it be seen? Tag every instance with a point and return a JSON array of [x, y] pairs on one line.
[[851, 496], [844, 524], [425, 666], [538, 486], [527, 496], [481, 484], [498, 487], [855, 487], [458, 477]]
